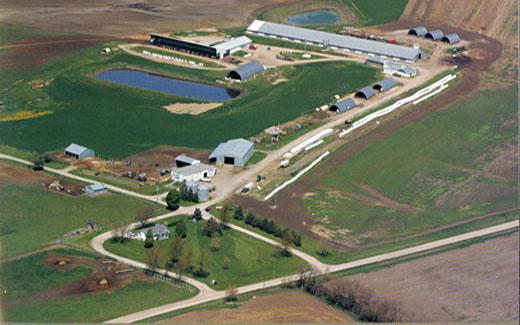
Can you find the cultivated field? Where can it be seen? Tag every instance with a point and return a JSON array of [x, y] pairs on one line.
[[239, 260], [34, 215], [80, 106], [64, 285], [283, 307], [475, 283]]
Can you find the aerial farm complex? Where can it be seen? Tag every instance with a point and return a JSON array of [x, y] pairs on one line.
[[278, 162]]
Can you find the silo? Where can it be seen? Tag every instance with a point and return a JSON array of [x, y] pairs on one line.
[[203, 193]]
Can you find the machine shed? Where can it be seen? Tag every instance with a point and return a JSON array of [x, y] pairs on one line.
[[419, 31], [246, 71], [233, 152], [343, 106], [452, 38], [78, 152], [365, 92], [435, 35], [385, 84]]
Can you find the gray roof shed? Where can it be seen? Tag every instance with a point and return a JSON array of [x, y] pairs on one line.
[[235, 152], [385, 84], [343, 106], [419, 31], [246, 70], [77, 151], [365, 92], [451, 38], [435, 35]]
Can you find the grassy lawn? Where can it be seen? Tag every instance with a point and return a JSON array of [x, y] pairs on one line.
[[376, 12], [28, 276], [87, 106], [33, 216], [419, 165], [250, 260], [256, 157]]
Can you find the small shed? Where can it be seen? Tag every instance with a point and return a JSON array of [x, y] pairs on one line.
[[78, 152], [95, 189], [418, 31], [233, 152], [193, 173], [343, 106], [365, 92], [385, 84], [451, 38], [159, 232], [183, 160], [246, 71], [435, 35]]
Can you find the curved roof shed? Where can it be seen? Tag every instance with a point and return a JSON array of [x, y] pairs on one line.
[[419, 31], [365, 92], [343, 106], [246, 71], [385, 84], [435, 35], [451, 38]]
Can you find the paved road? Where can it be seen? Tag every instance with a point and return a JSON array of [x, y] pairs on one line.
[[202, 298]]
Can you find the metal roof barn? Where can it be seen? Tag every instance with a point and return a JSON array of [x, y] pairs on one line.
[[419, 31], [365, 92], [193, 173], [452, 38], [95, 189], [375, 60], [385, 84], [435, 35], [232, 45], [183, 160], [78, 152], [325, 39], [233, 152], [343, 106], [246, 71]]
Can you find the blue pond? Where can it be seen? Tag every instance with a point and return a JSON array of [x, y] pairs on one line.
[[319, 17], [167, 85]]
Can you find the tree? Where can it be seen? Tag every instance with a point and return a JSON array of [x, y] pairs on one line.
[[37, 162], [152, 258], [47, 157], [144, 214], [148, 242], [212, 228], [225, 263], [231, 295], [296, 238], [197, 214], [250, 219], [286, 242], [214, 244], [224, 214], [323, 249], [120, 233], [173, 199], [175, 250], [180, 229], [239, 214]]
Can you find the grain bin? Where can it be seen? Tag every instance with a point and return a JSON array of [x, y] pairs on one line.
[[203, 193]]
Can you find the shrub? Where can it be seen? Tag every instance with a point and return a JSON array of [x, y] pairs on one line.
[[239, 214], [173, 199], [212, 228]]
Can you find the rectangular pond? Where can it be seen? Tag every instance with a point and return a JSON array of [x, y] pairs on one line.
[[177, 87]]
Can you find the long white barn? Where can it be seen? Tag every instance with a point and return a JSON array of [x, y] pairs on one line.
[[350, 43]]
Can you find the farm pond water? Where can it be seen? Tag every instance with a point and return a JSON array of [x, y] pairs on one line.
[[177, 87], [318, 17]]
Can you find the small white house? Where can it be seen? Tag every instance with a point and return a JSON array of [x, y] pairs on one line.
[[95, 189], [159, 232], [193, 173]]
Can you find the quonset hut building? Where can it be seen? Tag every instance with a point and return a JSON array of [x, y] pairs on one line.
[[343, 106], [246, 71], [347, 43], [233, 152]]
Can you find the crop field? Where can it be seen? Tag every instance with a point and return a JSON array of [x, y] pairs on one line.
[[452, 166], [33, 215], [64, 285], [118, 121], [249, 260]]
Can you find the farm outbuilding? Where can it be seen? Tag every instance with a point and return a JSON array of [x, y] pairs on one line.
[[452, 38], [435, 35], [193, 173], [78, 152], [95, 189], [372, 59], [418, 31], [385, 84], [365, 92], [183, 160], [183, 45], [326, 39], [159, 232], [232, 45], [343, 106], [246, 71], [233, 152]]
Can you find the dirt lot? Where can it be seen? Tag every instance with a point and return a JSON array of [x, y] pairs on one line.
[[476, 283], [191, 108], [107, 276], [275, 308]]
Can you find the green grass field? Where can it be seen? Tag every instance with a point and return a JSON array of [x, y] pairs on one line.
[[23, 278], [33, 216], [250, 260], [421, 165], [376, 12], [117, 121]]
